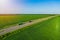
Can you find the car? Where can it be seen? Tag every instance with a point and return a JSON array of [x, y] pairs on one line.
[[21, 23], [30, 21]]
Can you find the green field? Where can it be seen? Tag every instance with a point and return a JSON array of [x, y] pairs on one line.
[[6, 21], [46, 30]]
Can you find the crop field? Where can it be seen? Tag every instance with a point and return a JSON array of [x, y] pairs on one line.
[[45, 30], [7, 20]]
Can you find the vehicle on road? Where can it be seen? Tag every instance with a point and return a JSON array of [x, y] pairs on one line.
[[30, 21], [20, 23]]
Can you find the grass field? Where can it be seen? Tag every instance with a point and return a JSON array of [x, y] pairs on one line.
[[7, 20], [46, 30]]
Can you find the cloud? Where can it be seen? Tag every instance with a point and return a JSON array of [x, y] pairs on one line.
[[8, 6]]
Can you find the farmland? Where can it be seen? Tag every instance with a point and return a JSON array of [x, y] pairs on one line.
[[7, 20], [46, 30]]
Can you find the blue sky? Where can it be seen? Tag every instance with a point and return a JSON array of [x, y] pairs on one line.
[[31, 6]]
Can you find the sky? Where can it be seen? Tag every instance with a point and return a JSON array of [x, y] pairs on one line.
[[29, 6]]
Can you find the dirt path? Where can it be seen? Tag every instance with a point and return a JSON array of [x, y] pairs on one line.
[[13, 28]]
